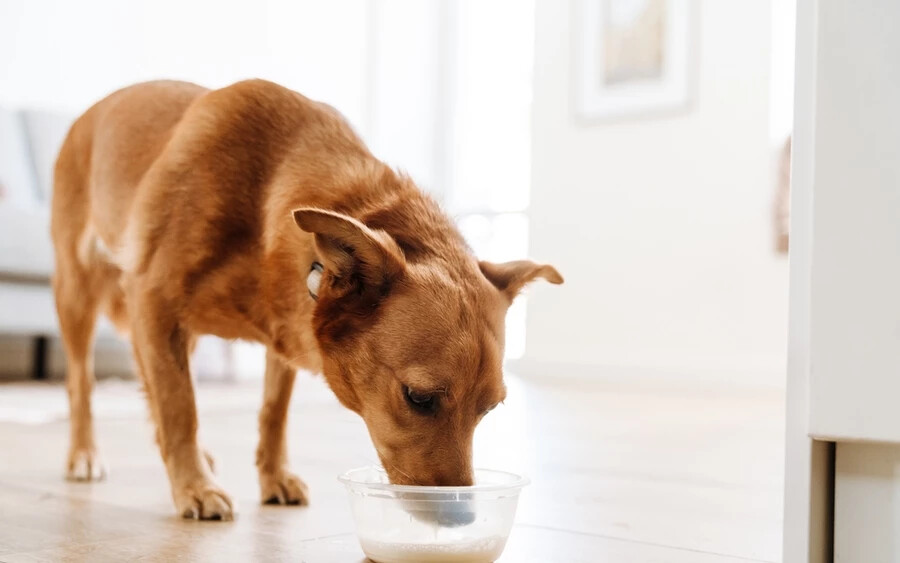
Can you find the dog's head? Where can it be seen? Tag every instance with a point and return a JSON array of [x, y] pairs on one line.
[[414, 347]]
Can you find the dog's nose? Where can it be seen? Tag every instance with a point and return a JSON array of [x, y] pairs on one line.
[[455, 514], [452, 511], [445, 514]]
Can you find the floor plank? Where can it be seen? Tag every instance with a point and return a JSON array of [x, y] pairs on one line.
[[620, 472]]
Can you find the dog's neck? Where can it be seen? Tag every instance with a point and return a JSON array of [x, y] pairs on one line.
[[381, 199], [368, 191]]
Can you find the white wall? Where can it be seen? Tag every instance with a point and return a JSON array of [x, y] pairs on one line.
[[66, 55], [660, 225], [380, 62], [425, 82], [781, 79]]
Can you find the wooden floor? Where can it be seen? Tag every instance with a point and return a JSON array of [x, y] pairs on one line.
[[620, 473]]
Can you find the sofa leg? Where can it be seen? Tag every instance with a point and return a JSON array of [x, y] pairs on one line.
[[39, 359]]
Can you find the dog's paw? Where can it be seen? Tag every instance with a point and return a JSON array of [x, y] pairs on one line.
[[85, 464], [203, 500], [283, 487]]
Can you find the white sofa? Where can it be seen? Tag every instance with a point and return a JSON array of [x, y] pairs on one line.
[[29, 143]]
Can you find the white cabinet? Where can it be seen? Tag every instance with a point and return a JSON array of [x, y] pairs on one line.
[[844, 351], [855, 266]]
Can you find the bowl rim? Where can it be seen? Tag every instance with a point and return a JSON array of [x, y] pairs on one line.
[[518, 482]]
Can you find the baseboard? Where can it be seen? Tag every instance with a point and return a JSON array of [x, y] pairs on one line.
[[15, 357], [730, 377], [112, 358]]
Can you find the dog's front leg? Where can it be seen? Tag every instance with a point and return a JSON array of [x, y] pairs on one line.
[[161, 349], [277, 484]]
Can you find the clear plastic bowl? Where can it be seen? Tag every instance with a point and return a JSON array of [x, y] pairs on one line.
[[411, 524]]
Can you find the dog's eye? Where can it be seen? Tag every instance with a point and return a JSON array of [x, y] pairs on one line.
[[424, 403]]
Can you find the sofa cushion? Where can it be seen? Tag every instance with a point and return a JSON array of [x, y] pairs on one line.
[[25, 247], [17, 181], [46, 132], [26, 308]]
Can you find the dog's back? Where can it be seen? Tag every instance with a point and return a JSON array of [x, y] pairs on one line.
[[174, 169], [105, 155], [100, 166]]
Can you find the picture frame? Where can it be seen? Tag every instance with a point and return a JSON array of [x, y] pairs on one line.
[[633, 57]]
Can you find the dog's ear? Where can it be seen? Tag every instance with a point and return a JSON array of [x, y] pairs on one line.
[[511, 277], [351, 252]]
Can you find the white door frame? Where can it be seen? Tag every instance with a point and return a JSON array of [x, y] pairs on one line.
[[809, 463]]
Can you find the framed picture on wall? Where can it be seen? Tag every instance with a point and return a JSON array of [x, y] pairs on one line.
[[633, 57]]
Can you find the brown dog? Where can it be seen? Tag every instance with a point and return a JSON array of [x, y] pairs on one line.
[[176, 213]]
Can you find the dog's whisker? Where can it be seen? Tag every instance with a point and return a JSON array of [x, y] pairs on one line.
[[397, 469], [407, 475]]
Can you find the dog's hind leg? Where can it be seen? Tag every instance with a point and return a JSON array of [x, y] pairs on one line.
[[277, 484], [79, 283], [77, 301]]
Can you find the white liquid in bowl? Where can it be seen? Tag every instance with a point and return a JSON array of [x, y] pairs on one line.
[[483, 550]]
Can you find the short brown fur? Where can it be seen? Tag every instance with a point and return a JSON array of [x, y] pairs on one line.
[[176, 213]]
